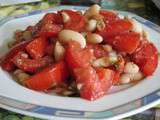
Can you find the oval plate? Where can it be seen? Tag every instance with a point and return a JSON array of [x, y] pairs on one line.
[[118, 104]]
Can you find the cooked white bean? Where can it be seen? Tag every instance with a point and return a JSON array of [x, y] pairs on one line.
[[91, 25], [145, 35], [58, 51], [93, 10], [137, 27], [107, 48], [113, 57], [70, 35], [84, 34], [130, 67], [124, 79], [136, 76], [101, 62], [27, 35], [100, 25], [94, 38], [65, 17], [21, 76], [67, 93], [79, 86]]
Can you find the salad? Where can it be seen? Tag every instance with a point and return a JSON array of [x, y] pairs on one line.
[[74, 53]]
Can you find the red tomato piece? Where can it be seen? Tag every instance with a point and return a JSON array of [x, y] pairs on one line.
[[93, 85], [50, 49], [49, 30], [146, 57], [76, 22], [36, 48], [52, 18], [98, 50], [106, 77], [77, 57], [6, 62], [31, 65], [29, 28], [126, 42], [115, 28], [54, 74], [109, 16]]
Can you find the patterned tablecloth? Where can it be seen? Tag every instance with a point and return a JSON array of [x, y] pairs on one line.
[[144, 8]]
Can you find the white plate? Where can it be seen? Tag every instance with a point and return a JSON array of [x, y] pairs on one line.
[[10, 89]]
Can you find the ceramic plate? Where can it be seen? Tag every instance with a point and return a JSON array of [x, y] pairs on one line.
[[123, 100]]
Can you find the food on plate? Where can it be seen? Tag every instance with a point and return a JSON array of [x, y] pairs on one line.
[[81, 54]]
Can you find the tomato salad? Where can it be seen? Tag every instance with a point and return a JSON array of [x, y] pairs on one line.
[[81, 54]]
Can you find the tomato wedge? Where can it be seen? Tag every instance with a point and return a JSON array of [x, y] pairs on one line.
[[36, 48], [93, 85], [126, 42], [115, 28], [6, 62], [146, 56], [52, 18], [31, 65], [77, 22], [109, 16], [77, 57], [49, 30], [54, 74]]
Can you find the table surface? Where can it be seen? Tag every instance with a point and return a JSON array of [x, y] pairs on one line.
[[144, 8]]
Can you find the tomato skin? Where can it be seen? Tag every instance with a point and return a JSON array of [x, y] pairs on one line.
[[94, 85], [49, 30], [6, 62], [126, 42], [31, 65], [52, 18], [50, 49], [115, 28], [54, 74], [77, 57], [109, 16], [36, 48], [76, 22], [106, 76], [146, 57]]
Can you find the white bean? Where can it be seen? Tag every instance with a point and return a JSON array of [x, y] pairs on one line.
[[93, 10], [113, 57], [100, 25], [58, 51], [136, 76], [21, 76], [94, 38], [65, 17], [130, 67], [124, 79], [79, 86], [70, 35], [107, 48], [137, 27], [101, 62], [91, 25], [145, 35]]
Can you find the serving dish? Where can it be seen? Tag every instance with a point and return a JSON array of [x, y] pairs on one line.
[[75, 107]]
